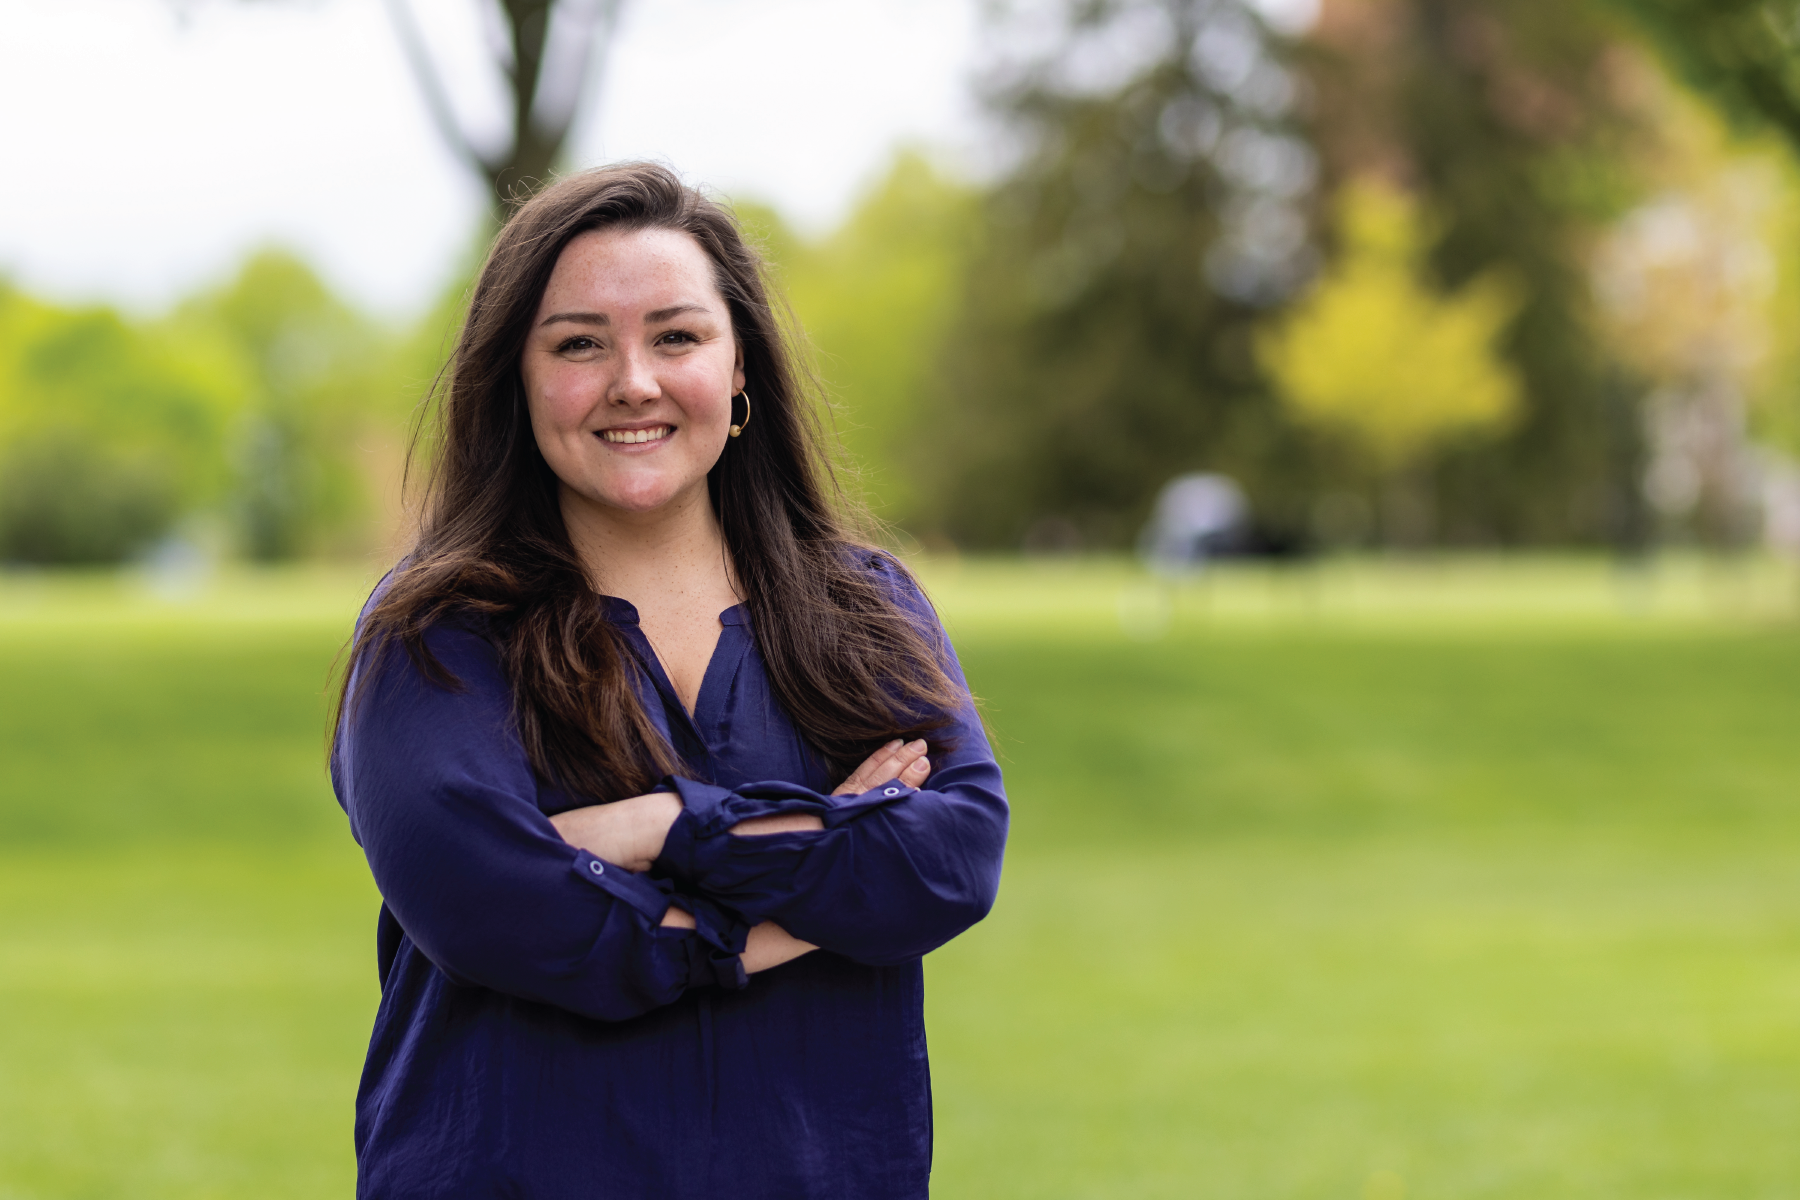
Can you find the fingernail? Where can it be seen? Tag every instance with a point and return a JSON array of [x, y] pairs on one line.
[[892, 745], [918, 745]]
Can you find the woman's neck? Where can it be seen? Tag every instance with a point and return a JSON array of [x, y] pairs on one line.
[[674, 554]]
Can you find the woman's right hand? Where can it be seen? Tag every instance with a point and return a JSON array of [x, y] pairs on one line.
[[896, 760], [628, 832], [904, 761], [769, 945]]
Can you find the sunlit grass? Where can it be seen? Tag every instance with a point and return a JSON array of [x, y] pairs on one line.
[[1487, 1018], [182, 1021], [1585, 591], [1468, 879]]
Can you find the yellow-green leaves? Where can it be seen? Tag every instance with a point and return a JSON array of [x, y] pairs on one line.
[[876, 298], [1375, 354], [108, 429], [265, 404]]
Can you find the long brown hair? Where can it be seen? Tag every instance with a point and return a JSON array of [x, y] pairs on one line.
[[850, 666]]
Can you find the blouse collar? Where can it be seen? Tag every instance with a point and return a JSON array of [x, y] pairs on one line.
[[624, 612]]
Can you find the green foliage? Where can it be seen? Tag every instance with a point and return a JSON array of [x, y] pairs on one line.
[[322, 376], [1107, 317], [64, 500], [1373, 353], [1744, 54], [254, 401], [1775, 389], [1514, 123], [1159, 219], [877, 298], [107, 431]]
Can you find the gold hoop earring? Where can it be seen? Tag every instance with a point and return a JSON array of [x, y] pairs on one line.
[[738, 429]]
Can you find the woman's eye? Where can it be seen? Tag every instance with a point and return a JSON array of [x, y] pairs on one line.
[[676, 337], [576, 344]]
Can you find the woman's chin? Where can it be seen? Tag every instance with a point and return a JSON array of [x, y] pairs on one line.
[[636, 497]]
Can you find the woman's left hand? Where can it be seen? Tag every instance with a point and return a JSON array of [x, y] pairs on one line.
[[904, 761], [627, 832], [631, 832]]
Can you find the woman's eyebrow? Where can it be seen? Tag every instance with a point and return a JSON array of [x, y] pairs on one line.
[[674, 310], [651, 318]]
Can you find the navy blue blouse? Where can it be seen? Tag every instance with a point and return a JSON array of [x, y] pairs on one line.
[[541, 1035]]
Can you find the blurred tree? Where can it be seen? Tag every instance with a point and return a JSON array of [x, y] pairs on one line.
[[1372, 353], [108, 433], [548, 51], [1744, 54], [322, 375], [1693, 284], [876, 298], [1516, 122], [1775, 388], [1104, 339]]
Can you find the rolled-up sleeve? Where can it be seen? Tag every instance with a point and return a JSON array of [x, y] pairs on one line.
[[895, 873], [442, 799]]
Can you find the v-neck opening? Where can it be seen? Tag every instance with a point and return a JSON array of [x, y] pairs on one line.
[[716, 680], [717, 676]]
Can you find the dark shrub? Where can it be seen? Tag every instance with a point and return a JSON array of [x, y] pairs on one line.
[[66, 501]]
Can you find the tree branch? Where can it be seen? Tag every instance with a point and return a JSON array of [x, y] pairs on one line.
[[530, 21], [437, 99], [560, 92]]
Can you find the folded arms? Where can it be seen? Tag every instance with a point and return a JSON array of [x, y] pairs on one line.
[[564, 909]]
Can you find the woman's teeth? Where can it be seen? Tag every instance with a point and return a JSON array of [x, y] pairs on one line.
[[637, 435]]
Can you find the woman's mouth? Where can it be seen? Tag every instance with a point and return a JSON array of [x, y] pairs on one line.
[[655, 433]]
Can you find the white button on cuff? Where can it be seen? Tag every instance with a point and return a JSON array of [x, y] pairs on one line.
[[891, 792], [597, 867]]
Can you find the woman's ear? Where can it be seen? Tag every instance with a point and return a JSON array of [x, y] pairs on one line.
[[737, 369]]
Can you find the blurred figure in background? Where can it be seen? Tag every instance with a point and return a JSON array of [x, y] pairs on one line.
[[1197, 517]]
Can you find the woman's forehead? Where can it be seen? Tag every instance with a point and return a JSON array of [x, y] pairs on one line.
[[632, 270]]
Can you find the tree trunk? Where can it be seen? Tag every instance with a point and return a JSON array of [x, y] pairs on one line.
[[553, 49]]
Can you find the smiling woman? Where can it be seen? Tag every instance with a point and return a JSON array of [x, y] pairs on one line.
[[629, 373], [638, 719]]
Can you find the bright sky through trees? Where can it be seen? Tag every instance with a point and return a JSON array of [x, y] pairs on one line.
[[149, 150], [152, 143]]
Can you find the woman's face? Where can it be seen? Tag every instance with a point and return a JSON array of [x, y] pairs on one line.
[[630, 368]]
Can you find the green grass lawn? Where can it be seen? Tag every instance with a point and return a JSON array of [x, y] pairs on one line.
[[1433, 881]]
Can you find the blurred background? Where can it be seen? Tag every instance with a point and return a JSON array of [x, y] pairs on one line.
[[1352, 442]]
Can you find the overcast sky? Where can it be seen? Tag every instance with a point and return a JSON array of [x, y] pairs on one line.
[[148, 144], [145, 151]]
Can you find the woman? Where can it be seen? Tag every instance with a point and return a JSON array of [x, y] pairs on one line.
[[666, 782]]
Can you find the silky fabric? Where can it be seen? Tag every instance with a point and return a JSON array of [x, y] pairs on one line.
[[541, 1035]]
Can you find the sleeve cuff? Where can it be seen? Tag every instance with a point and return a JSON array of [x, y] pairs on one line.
[[715, 951], [708, 968], [715, 946], [709, 811], [621, 884]]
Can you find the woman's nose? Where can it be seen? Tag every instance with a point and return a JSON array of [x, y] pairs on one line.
[[636, 381]]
